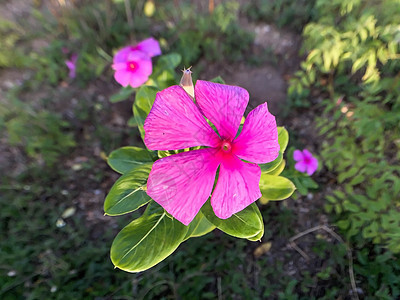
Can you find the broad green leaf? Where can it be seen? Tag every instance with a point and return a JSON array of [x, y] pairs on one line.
[[199, 226], [283, 138], [122, 95], [269, 167], [247, 223], [144, 100], [279, 169], [128, 192], [147, 240], [127, 158], [275, 187]]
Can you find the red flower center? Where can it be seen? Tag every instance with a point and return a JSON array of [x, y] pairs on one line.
[[226, 146], [131, 66]]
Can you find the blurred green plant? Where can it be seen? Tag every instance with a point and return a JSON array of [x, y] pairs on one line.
[[10, 35], [354, 60], [291, 13], [42, 134]]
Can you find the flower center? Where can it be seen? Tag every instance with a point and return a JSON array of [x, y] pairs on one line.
[[226, 146], [131, 66]]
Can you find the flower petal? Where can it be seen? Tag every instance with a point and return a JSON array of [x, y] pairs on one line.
[[175, 122], [298, 155], [149, 46], [307, 154], [123, 77], [258, 141], [122, 55], [223, 105], [300, 166], [312, 166], [237, 187], [182, 183]]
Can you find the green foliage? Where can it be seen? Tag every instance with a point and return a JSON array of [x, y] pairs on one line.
[[294, 14], [128, 192], [128, 158], [10, 35], [42, 134], [354, 59], [143, 243], [246, 224], [197, 34]]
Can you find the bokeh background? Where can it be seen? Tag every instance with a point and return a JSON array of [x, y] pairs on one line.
[[330, 71]]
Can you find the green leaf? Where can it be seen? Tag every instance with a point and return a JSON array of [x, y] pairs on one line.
[[127, 158], [147, 240], [271, 166], [169, 61], [279, 169], [143, 103], [275, 187], [218, 79], [283, 138], [247, 223], [122, 95], [132, 122], [128, 192], [199, 226]]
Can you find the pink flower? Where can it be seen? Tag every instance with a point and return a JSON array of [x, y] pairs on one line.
[[183, 182], [71, 64], [133, 65], [306, 162]]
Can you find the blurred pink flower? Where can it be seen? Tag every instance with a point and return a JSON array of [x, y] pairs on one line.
[[133, 65], [306, 162], [183, 182], [71, 64]]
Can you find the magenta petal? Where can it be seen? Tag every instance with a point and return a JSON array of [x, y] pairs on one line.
[[183, 182], [300, 166], [307, 154], [175, 122], [223, 105], [149, 46], [258, 141], [122, 55], [237, 187], [298, 155], [312, 166], [123, 77]]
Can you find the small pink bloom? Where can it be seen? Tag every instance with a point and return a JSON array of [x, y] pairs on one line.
[[71, 64], [306, 162], [133, 65], [183, 182]]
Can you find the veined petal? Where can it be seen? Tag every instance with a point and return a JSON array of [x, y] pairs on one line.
[[149, 46], [175, 122], [258, 141], [237, 186], [182, 183], [223, 105]]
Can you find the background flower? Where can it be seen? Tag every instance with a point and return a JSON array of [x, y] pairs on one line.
[[133, 64], [306, 162], [71, 64]]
